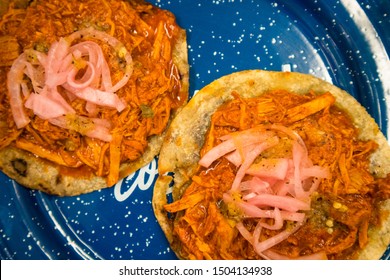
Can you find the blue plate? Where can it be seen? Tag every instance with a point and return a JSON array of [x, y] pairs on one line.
[[345, 42]]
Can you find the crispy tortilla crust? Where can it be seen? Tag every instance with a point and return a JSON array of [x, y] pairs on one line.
[[185, 137], [35, 173]]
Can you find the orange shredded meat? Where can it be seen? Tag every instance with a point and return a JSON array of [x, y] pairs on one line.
[[153, 91], [341, 210]]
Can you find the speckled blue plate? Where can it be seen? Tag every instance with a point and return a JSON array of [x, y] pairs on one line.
[[345, 42]]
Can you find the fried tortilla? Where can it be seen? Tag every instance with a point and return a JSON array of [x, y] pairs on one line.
[[274, 165], [87, 90]]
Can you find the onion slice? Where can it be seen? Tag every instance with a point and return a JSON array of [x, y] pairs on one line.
[[260, 247], [14, 84], [278, 193], [59, 71]]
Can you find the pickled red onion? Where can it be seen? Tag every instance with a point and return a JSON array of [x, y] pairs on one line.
[[102, 98], [261, 246], [285, 202], [250, 157], [279, 190], [113, 42], [14, 81], [101, 127], [57, 69]]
